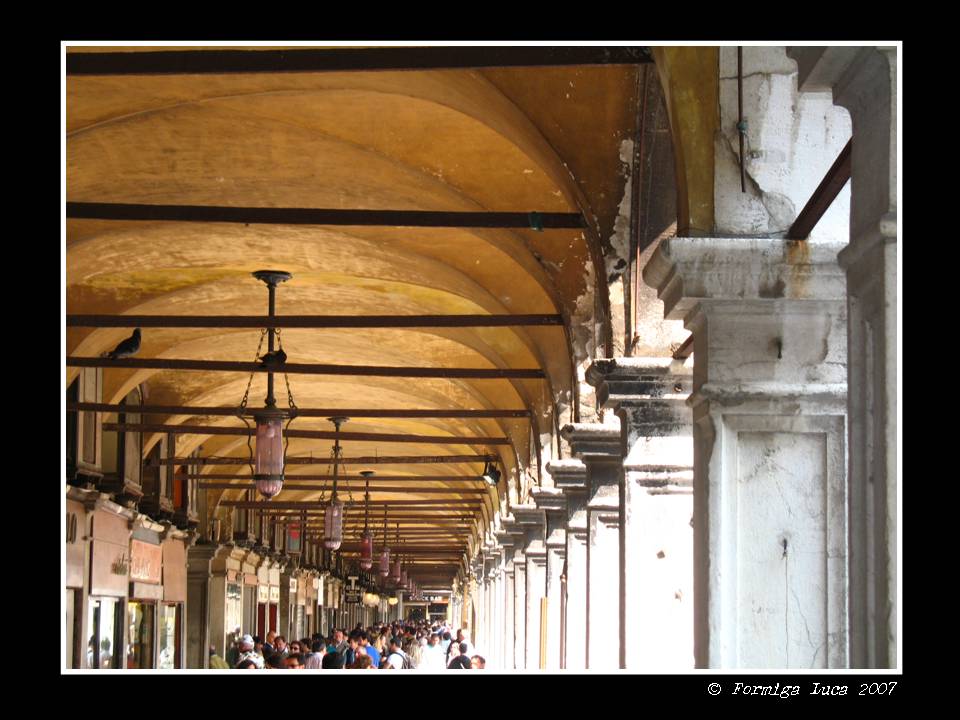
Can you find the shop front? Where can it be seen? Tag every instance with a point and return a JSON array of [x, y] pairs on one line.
[[76, 523], [146, 593], [106, 606], [170, 625]]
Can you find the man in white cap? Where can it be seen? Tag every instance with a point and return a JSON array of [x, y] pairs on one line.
[[248, 653]]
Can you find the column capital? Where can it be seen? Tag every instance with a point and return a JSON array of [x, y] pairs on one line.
[[743, 274], [632, 380], [549, 500], [593, 442], [568, 475], [528, 515]]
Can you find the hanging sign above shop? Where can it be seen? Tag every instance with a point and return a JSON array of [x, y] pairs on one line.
[[146, 562]]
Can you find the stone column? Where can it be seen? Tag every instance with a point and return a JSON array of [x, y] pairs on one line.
[[570, 476], [864, 81], [509, 576], [535, 554], [519, 594], [198, 605], [505, 541], [769, 404], [656, 565], [598, 445], [495, 646], [553, 503]]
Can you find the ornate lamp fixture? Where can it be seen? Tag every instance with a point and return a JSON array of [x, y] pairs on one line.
[[267, 455], [385, 555], [333, 515], [366, 540]]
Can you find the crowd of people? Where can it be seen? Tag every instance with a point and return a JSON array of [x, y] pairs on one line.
[[382, 646]]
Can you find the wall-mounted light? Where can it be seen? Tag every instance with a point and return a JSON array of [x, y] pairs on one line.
[[491, 474]]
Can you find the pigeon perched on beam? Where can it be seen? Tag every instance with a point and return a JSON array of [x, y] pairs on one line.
[[274, 359], [127, 348]]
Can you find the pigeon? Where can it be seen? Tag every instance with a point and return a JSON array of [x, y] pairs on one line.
[[275, 358], [127, 348]]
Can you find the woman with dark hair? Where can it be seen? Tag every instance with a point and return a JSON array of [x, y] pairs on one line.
[[332, 661]]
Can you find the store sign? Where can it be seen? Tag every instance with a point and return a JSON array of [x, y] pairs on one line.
[[146, 562], [274, 593], [352, 596], [263, 593]]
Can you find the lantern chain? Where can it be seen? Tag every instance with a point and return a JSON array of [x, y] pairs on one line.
[[286, 379], [246, 393]]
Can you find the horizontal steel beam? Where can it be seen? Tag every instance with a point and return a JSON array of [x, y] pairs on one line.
[[288, 485], [298, 504], [318, 216], [362, 460], [347, 480], [311, 60], [310, 321], [309, 434], [312, 369], [301, 412], [823, 196]]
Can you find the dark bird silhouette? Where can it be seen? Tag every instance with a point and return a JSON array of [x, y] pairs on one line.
[[127, 348], [274, 359]]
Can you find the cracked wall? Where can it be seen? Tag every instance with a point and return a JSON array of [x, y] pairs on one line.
[[790, 143]]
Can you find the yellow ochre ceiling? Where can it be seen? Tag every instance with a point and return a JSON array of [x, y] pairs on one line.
[[506, 140]]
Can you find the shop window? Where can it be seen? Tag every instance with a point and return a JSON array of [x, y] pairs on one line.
[[140, 635], [104, 624], [168, 637]]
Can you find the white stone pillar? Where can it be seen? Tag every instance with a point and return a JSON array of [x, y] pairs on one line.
[[501, 663], [570, 475], [656, 570], [864, 81], [598, 445], [509, 576], [519, 609], [769, 406], [535, 556], [553, 503]]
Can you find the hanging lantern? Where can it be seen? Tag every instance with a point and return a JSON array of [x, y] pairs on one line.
[[395, 575], [333, 514], [267, 456], [366, 540], [403, 578], [333, 525], [366, 551]]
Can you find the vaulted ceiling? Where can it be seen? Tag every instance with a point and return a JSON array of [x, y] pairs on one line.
[[511, 139]]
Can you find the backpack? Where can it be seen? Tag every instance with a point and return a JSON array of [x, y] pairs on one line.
[[407, 665]]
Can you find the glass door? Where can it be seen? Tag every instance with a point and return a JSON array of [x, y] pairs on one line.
[[105, 633], [168, 638], [70, 620], [140, 628]]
